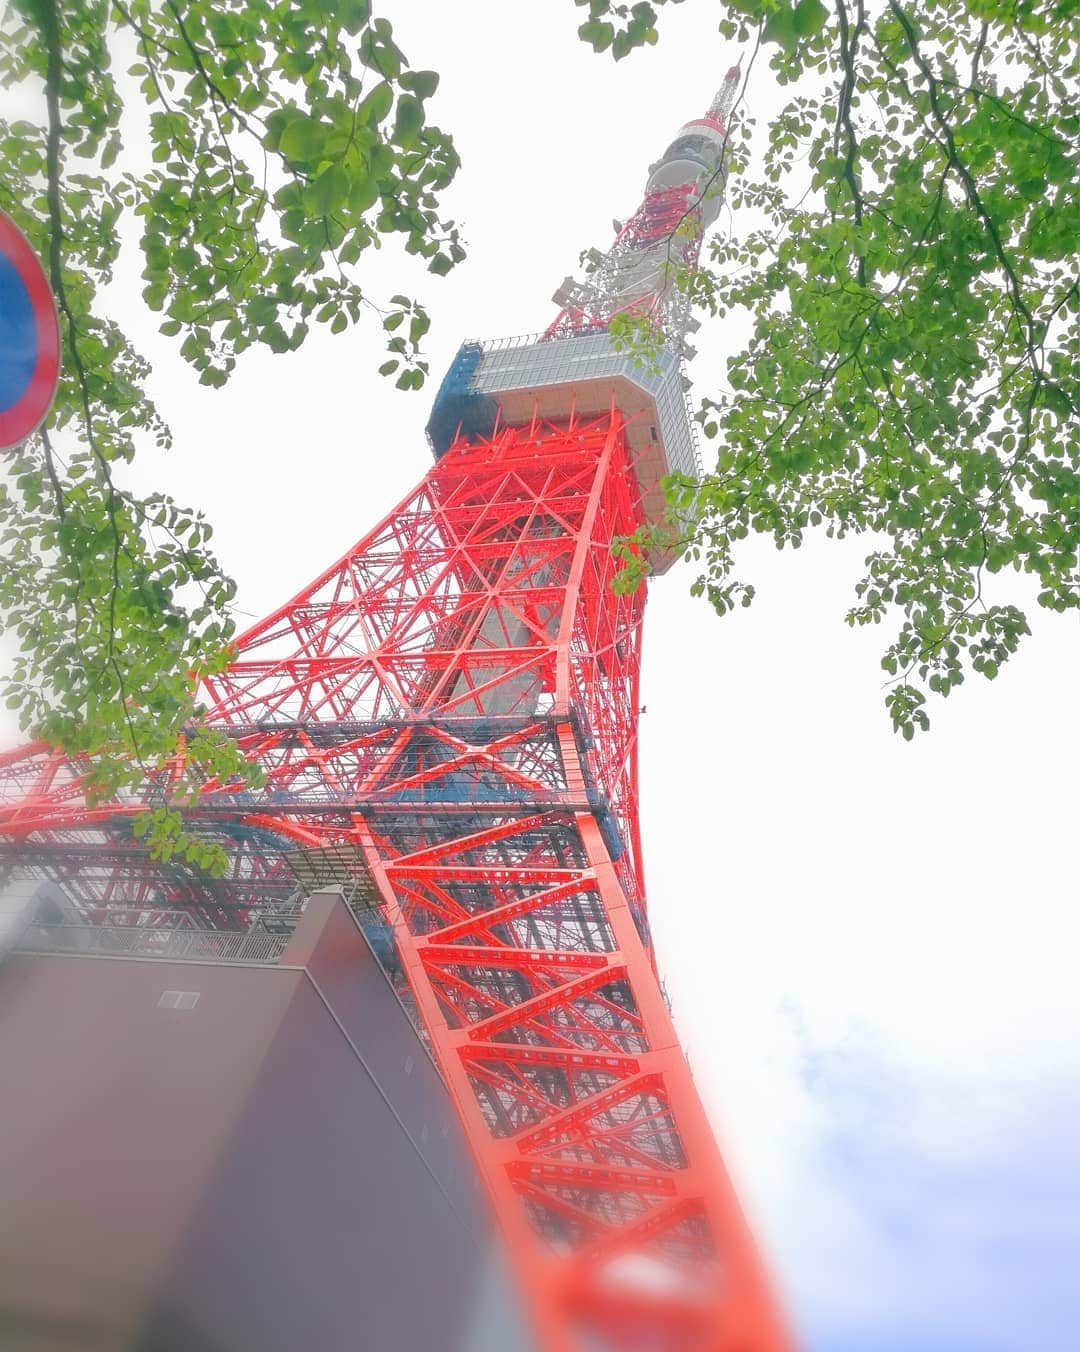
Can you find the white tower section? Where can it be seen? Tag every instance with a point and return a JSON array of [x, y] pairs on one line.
[[653, 251]]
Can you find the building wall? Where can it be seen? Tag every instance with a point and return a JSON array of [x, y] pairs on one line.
[[275, 1168]]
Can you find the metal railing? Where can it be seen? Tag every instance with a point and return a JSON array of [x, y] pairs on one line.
[[131, 941]]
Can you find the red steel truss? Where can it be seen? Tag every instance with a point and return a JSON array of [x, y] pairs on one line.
[[447, 717]]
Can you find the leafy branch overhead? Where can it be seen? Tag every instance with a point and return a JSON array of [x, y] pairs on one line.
[[259, 151], [902, 250]]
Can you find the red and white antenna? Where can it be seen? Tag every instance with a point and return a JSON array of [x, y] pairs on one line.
[[659, 245]]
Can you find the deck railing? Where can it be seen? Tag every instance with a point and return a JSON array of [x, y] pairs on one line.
[[133, 941]]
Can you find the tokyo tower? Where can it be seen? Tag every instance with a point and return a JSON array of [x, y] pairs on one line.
[[447, 722]]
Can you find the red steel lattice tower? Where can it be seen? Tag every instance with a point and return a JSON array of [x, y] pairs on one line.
[[447, 721]]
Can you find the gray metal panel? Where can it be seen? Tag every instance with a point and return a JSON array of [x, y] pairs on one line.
[[523, 364], [272, 1165]]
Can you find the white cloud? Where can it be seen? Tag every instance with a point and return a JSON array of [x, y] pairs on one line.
[[942, 1211]]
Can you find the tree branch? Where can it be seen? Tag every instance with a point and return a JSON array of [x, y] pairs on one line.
[[50, 30], [849, 41], [970, 187]]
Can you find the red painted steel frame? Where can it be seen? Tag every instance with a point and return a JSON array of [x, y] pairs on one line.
[[453, 708]]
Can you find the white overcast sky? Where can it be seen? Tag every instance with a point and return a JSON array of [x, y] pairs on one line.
[[870, 946]]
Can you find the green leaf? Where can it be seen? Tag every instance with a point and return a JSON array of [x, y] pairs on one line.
[[374, 108], [331, 189], [422, 83], [379, 52], [599, 35], [354, 15], [408, 120], [809, 18], [781, 27], [363, 194], [303, 140]]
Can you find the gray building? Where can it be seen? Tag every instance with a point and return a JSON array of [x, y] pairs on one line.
[[204, 1151]]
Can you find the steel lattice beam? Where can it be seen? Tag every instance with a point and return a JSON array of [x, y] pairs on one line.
[[458, 698], [446, 720]]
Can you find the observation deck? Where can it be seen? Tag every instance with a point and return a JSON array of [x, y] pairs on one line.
[[512, 381]]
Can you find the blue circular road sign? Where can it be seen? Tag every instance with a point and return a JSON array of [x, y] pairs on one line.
[[29, 338]]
